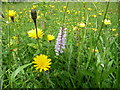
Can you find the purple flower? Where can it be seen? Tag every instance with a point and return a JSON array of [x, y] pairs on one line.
[[60, 41]]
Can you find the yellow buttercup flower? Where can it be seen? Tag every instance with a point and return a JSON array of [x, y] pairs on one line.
[[107, 22], [81, 25], [42, 62], [11, 13], [32, 33], [50, 37]]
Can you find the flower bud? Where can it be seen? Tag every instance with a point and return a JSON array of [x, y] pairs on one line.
[[33, 14]]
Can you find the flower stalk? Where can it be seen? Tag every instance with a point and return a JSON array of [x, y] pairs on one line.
[[34, 17]]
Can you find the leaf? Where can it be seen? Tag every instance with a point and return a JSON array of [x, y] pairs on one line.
[[15, 73], [85, 72]]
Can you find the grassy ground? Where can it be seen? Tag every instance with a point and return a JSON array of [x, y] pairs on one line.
[[90, 58]]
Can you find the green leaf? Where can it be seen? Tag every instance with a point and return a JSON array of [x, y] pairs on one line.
[[15, 73], [85, 72]]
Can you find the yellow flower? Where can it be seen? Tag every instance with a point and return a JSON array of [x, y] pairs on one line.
[[38, 17], [81, 25], [94, 50], [64, 7], [14, 37], [90, 23], [34, 6], [89, 9], [32, 33], [95, 29], [113, 29], [94, 16], [83, 17], [50, 37], [42, 62], [107, 22], [68, 11], [21, 12], [11, 13], [99, 13]]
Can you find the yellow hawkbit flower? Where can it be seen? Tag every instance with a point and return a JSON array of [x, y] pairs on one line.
[[83, 18], [21, 12], [11, 13], [100, 14], [94, 16], [50, 37], [64, 7], [38, 17], [107, 22], [68, 11], [89, 9], [32, 33], [81, 25], [90, 23], [34, 6], [95, 29], [14, 37], [42, 62], [113, 29], [95, 50]]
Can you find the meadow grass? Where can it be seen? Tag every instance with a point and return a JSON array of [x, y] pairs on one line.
[[90, 59]]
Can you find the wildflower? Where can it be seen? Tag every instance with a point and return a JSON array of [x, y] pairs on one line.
[[14, 37], [42, 62], [38, 17], [65, 7], [61, 41], [50, 37], [11, 13], [89, 9], [95, 50], [90, 23], [68, 11], [107, 22], [34, 6], [32, 33], [24, 9], [81, 25], [113, 29], [95, 29], [83, 18], [100, 14], [94, 16], [21, 12]]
